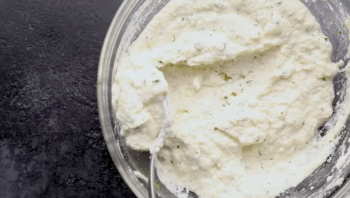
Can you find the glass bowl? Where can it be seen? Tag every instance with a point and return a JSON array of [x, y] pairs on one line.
[[133, 16]]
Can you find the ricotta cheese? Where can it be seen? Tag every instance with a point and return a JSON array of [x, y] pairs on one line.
[[249, 82]]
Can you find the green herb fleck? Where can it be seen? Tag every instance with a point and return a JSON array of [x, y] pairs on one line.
[[178, 146], [281, 113], [216, 128], [225, 76], [172, 161], [156, 185], [242, 76], [340, 33], [160, 62], [184, 111], [324, 79], [156, 81], [326, 39], [182, 19], [255, 57], [225, 97], [234, 94]]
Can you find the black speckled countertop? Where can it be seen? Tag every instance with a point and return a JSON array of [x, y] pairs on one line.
[[51, 144]]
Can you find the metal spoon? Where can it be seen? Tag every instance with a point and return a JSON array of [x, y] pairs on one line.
[[159, 142], [151, 190]]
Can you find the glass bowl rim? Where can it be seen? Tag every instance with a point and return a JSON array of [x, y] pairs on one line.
[[105, 62]]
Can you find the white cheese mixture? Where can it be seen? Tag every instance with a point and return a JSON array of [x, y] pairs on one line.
[[249, 82]]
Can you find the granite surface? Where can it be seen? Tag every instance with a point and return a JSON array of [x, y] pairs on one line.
[[51, 144]]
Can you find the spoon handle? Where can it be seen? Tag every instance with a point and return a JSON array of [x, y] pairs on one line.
[[151, 191]]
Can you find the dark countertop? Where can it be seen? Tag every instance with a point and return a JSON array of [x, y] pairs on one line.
[[51, 144]]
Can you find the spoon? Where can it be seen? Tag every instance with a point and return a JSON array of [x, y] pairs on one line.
[[159, 142]]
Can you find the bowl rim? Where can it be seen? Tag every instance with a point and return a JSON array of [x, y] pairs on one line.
[[106, 61]]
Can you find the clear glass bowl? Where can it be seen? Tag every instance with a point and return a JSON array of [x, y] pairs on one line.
[[132, 17]]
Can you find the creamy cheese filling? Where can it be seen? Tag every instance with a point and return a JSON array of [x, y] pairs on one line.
[[248, 82]]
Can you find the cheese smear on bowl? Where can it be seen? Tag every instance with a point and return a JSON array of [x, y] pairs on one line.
[[249, 83]]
